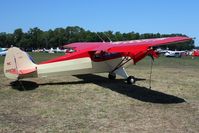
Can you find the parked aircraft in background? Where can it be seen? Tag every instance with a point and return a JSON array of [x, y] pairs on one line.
[[3, 51], [196, 53], [170, 53], [57, 50], [51, 50], [86, 58]]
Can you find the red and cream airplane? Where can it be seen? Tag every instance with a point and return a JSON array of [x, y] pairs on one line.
[[86, 58]]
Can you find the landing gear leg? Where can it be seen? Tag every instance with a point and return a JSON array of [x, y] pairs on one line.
[[130, 80], [121, 72]]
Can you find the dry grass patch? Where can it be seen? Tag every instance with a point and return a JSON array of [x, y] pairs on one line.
[[92, 103]]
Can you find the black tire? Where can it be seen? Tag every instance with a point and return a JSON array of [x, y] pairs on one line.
[[112, 76], [130, 80]]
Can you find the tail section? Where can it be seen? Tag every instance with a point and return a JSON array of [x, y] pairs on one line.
[[18, 65]]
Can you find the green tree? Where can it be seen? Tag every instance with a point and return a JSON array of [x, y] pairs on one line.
[[36, 37], [3, 37], [18, 35]]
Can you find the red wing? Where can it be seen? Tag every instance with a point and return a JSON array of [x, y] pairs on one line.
[[138, 49], [126, 46], [137, 45]]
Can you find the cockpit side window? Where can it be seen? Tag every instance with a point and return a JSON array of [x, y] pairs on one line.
[[105, 55]]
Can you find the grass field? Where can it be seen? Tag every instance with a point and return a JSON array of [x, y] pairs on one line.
[[93, 103]]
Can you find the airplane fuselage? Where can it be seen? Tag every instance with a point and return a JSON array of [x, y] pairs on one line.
[[83, 65]]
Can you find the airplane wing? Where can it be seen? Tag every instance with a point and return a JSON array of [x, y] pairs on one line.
[[134, 45], [138, 49]]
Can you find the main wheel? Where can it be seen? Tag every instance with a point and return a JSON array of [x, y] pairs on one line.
[[112, 76], [130, 80]]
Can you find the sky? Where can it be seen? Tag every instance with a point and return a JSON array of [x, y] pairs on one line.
[[142, 16]]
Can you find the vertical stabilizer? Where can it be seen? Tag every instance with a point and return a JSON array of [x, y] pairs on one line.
[[18, 65]]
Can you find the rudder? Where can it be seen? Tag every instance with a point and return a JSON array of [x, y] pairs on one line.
[[18, 65]]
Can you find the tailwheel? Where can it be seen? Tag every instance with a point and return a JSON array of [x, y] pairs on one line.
[[112, 76], [130, 80]]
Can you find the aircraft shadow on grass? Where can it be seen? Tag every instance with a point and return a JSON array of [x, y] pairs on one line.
[[140, 93]]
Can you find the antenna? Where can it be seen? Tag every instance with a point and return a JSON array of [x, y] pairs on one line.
[[99, 37], [107, 37]]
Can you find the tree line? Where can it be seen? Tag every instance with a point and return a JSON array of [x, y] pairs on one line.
[[36, 38]]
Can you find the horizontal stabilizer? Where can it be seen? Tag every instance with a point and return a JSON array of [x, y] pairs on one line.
[[22, 72]]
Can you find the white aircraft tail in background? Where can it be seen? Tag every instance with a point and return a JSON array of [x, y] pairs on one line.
[[3, 51]]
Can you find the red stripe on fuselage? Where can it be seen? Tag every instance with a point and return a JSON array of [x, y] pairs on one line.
[[68, 56], [75, 55], [81, 51]]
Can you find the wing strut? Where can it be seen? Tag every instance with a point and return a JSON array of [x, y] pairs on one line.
[[151, 71], [121, 63]]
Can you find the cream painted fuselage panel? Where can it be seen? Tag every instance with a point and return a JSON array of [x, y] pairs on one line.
[[77, 66]]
